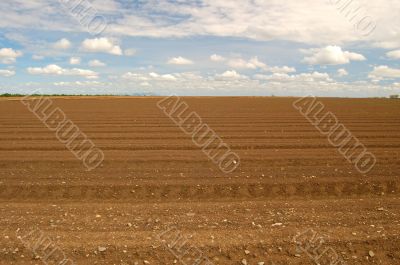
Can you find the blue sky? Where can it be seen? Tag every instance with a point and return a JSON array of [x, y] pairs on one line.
[[325, 48]]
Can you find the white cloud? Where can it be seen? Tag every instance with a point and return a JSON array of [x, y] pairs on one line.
[[80, 83], [331, 55], [393, 54], [253, 63], [315, 24], [49, 69], [303, 77], [314, 76], [149, 77], [342, 72], [384, 72], [180, 61], [53, 69], [317, 83], [261, 20], [192, 83], [96, 63], [283, 69], [130, 52], [166, 77], [230, 75], [62, 44], [188, 76], [217, 58], [6, 73], [104, 45], [9, 55], [308, 21], [74, 60], [135, 76]]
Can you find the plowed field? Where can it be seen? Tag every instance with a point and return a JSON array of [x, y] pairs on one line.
[[290, 180]]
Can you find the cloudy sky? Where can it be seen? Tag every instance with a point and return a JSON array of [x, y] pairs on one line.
[[201, 47]]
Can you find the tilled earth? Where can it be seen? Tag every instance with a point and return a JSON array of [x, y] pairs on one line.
[[290, 182]]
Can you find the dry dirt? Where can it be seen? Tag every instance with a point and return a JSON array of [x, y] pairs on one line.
[[290, 180]]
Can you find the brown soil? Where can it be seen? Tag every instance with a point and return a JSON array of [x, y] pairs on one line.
[[290, 179]]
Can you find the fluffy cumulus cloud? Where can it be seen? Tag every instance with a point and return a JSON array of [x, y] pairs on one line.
[[135, 76], [393, 54], [283, 69], [384, 72], [54, 69], [166, 77], [217, 58], [253, 63], [6, 73], [342, 72], [62, 44], [103, 45], [180, 61], [230, 75], [9, 55], [331, 55], [96, 63]]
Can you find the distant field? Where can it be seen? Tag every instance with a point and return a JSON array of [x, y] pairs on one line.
[[290, 179]]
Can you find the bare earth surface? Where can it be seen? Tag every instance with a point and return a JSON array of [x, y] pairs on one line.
[[153, 178]]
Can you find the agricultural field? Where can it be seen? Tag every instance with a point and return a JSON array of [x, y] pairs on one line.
[[155, 183]]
